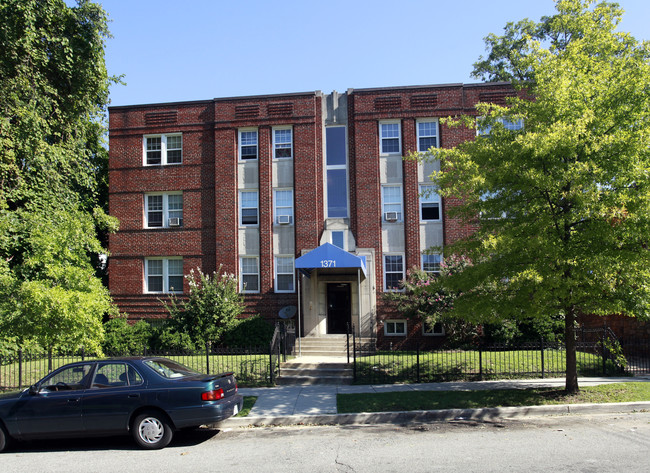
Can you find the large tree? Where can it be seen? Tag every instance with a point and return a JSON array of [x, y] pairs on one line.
[[561, 205], [53, 97]]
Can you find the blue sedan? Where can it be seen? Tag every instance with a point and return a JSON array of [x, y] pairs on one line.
[[150, 397]]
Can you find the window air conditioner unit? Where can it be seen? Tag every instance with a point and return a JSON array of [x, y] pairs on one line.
[[390, 216], [174, 222], [284, 219]]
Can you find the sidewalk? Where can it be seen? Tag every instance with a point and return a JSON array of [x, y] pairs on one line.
[[316, 404]]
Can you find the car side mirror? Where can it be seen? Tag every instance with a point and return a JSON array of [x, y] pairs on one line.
[[33, 389]]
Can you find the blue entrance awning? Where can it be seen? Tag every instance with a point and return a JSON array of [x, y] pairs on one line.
[[330, 257]]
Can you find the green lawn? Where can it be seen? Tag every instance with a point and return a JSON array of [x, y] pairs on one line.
[[432, 400], [249, 402]]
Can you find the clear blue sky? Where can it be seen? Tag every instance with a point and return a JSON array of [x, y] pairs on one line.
[[201, 49]]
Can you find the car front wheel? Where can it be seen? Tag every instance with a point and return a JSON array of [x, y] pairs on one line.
[[4, 438], [152, 430]]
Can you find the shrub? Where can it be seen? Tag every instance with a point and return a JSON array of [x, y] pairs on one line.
[[250, 332], [122, 338]]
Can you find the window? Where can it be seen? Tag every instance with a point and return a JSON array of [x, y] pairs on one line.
[[431, 263], [250, 275], [284, 274], [482, 129], [393, 272], [429, 204], [392, 203], [282, 143], [163, 275], [427, 135], [163, 210], [338, 239], [115, 374], [283, 201], [337, 172], [435, 330], [247, 144], [248, 207], [163, 149], [389, 135], [72, 378], [394, 328]]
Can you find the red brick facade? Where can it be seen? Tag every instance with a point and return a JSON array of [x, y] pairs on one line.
[[209, 182]]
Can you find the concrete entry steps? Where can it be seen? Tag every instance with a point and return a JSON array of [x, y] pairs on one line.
[[316, 372], [331, 345]]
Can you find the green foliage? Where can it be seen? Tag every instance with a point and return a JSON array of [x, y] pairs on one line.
[[250, 332], [569, 194], [167, 337], [213, 304], [122, 338], [53, 179]]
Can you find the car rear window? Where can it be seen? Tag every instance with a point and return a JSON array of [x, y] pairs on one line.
[[170, 369]]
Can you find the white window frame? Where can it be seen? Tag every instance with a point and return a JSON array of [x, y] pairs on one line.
[[398, 137], [277, 209], [240, 144], [241, 207], [165, 209], [432, 329], [394, 323], [282, 144], [429, 196], [423, 257], [292, 273], [386, 272], [400, 213], [242, 288], [507, 124], [418, 135], [165, 275], [163, 149]]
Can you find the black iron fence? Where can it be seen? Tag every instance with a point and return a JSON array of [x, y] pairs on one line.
[[599, 357], [253, 366]]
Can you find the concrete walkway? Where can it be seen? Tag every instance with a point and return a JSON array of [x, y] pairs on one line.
[[316, 404]]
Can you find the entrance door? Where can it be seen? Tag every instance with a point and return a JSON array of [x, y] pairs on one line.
[[338, 307]]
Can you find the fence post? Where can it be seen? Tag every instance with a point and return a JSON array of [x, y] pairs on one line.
[[354, 355], [418, 362], [604, 354], [207, 357], [83, 354], [271, 362], [541, 340], [480, 363], [348, 341], [20, 369]]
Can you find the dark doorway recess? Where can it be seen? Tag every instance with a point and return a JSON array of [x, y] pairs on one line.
[[338, 307]]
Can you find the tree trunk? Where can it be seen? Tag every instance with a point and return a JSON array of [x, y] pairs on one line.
[[571, 385]]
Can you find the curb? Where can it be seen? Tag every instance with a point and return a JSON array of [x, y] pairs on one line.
[[484, 414]]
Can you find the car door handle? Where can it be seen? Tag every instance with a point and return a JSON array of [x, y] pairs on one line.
[[74, 399], [134, 396]]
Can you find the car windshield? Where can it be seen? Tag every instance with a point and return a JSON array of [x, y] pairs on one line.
[[170, 369]]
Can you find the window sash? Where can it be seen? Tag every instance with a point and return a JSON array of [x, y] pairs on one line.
[[248, 208], [395, 327], [283, 200], [427, 135], [247, 145], [283, 143], [249, 272], [161, 207], [390, 138], [163, 149], [393, 272], [164, 275], [284, 274], [392, 201], [431, 263], [429, 204]]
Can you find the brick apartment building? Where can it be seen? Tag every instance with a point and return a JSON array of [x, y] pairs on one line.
[[304, 196]]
